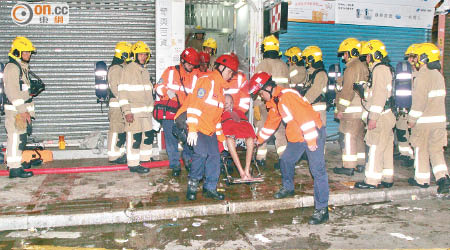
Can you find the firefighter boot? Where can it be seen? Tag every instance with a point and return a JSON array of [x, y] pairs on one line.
[[19, 172], [213, 194], [192, 187], [319, 216], [283, 193], [120, 160], [346, 171], [139, 169], [443, 185], [26, 165], [413, 182]]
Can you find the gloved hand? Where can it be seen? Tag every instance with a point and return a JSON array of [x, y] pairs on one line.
[[225, 146], [235, 117], [192, 138], [171, 94]]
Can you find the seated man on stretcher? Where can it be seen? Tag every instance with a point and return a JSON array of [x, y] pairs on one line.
[[236, 126]]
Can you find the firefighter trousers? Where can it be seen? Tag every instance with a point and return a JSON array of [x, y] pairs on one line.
[[280, 133], [139, 140], [380, 166], [354, 149], [317, 167], [402, 133], [116, 134], [428, 145], [206, 161], [17, 140]]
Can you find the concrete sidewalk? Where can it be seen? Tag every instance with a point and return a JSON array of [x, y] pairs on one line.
[[124, 197]]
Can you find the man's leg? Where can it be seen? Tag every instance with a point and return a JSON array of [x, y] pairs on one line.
[[250, 144], [290, 156], [231, 143], [171, 144]]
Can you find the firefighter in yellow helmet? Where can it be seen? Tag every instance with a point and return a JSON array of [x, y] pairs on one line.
[[197, 40], [405, 151], [349, 109], [19, 106], [316, 86], [116, 133], [210, 47], [427, 119], [273, 65], [136, 103], [379, 170], [297, 69]]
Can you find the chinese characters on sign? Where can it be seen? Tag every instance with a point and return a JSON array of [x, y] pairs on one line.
[[312, 11]]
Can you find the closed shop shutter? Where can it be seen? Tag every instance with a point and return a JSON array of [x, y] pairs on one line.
[[329, 36], [66, 57]]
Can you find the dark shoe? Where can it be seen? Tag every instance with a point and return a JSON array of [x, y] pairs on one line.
[[346, 171], [443, 185], [191, 193], [413, 182], [408, 162], [319, 216], [261, 163], [283, 193], [139, 169], [36, 162], [364, 185], [360, 168], [176, 172], [19, 172], [387, 184], [213, 194], [151, 160], [26, 165], [120, 160]]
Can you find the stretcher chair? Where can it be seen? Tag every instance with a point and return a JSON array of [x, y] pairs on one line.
[[227, 165]]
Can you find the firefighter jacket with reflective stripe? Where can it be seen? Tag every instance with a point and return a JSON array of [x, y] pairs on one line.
[[302, 122], [297, 76], [239, 91], [114, 76], [174, 79], [349, 102], [277, 68], [428, 99], [204, 107], [18, 94], [380, 91], [318, 88], [135, 91]]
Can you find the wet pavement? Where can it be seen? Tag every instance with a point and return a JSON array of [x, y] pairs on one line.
[[400, 224], [120, 190]]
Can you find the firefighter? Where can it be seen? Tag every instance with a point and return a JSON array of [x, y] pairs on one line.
[[136, 103], [406, 154], [279, 71], [176, 83], [238, 89], [349, 109], [204, 110], [304, 132], [297, 70], [19, 106], [210, 47], [379, 170], [205, 58], [197, 41], [427, 119], [116, 133], [317, 84]]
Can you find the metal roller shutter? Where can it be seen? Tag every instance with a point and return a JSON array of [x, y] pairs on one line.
[[329, 36], [66, 57]]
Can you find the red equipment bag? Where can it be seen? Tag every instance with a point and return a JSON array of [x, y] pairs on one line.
[[165, 109]]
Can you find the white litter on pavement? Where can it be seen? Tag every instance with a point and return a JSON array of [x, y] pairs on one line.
[[45, 235], [378, 206], [196, 224], [121, 240], [401, 236], [184, 229], [149, 225], [261, 238]]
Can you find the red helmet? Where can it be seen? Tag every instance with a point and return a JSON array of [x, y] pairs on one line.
[[228, 61], [204, 57], [191, 56], [258, 81]]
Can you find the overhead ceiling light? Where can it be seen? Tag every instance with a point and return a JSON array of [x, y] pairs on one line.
[[239, 4]]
